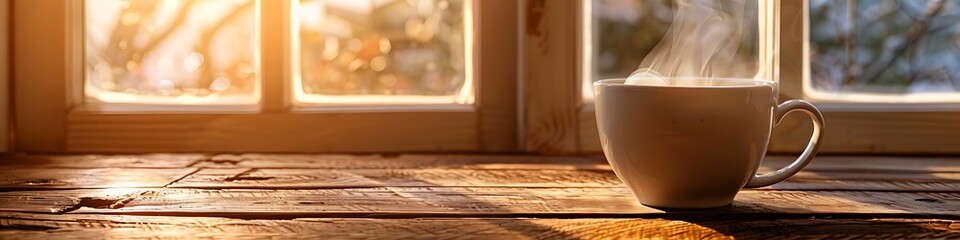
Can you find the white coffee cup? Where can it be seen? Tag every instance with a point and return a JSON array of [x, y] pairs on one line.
[[694, 144]]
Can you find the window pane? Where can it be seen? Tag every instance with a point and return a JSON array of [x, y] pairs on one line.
[[172, 52], [386, 51], [621, 33], [887, 50]]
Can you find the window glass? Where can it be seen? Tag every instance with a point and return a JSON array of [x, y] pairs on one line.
[[171, 52], [392, 51], [887, 50], [619, 34]]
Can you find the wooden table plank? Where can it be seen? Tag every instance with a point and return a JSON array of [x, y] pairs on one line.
[[103, 161], [379, 201], [452, 201], [404, 161], [338, 195], [415, 161], [871, 163], [325, 178], [879, 181], [70, 178], [33, 226]]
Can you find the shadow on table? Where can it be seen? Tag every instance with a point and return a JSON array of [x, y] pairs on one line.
[[898, 199], [825, 228]]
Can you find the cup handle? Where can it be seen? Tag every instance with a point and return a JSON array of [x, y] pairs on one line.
[[808, 153]]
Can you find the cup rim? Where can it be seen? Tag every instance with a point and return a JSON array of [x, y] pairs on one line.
[[618, 82]]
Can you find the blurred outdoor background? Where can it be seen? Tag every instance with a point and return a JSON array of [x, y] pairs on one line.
[[189, 49], [624, 31], [206, 50], [392, 47], [885, 46], [879, 46]]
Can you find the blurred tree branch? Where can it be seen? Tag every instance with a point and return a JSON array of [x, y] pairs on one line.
[[177, 22], [206, 41], [917, 33], [850, 42]]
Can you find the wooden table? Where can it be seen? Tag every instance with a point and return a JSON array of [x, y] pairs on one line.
[[453, 196]]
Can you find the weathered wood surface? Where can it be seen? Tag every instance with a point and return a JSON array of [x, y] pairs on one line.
[[879, 181], [323, 178], [32, 226], [327, 202], [404, 161], [68, 178], [552, 83], [453, 196], [418, 161], [871, 163], [452, 201], [217, 178], [103, 161]]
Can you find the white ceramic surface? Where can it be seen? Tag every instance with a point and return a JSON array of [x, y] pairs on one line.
[[694, 146]]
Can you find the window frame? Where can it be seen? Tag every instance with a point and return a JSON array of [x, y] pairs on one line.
[[52, 116], [5, 75], [557, 121]]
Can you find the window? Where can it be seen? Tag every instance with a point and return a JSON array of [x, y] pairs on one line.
[[171, 52], [881, 77], [265, 76], [383, 51], [883, 51], [443, 75], [619, 35]]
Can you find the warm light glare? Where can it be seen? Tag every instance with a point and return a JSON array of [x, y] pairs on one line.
[[172, 52], [384, 52]]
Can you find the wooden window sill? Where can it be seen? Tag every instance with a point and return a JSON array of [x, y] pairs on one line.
[[445, 196]]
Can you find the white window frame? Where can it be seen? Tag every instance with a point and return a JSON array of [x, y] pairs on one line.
[[557, 121], [53, 117]]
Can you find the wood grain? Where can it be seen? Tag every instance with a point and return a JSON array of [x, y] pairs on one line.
[[354, 132], [33, 226], [102, 161], [449, 161], [457, 196], [589, 133], [244, 178], [424, 201], [461, 202], [881, 132], [846, 133], [901, 182], [463, 161], [71, 178], [825, 173], [552, 87], [871, 163], [497, 45], [317, 171], [323, 178], [403, 161]]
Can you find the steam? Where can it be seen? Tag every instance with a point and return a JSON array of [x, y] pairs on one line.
[[708, 39]]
